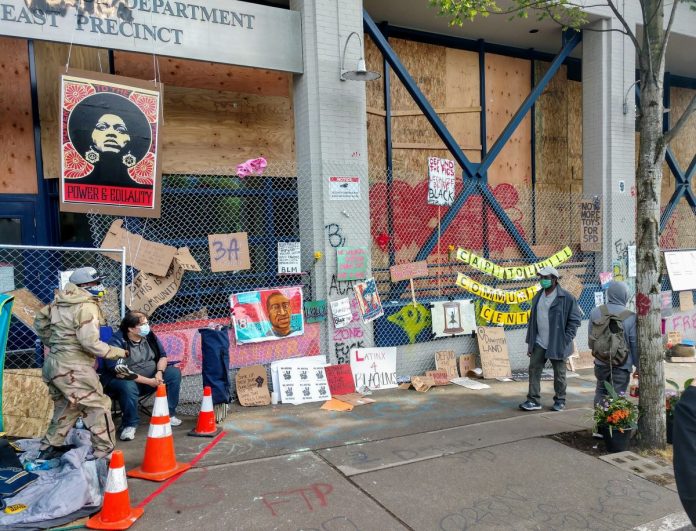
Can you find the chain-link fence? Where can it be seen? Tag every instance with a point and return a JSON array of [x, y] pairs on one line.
[[31, 274]]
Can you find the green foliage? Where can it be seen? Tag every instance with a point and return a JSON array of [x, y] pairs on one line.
[[616, 411], [564, 12]]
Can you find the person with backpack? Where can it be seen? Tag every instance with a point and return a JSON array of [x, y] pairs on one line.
[[613, 340], [553, 322]]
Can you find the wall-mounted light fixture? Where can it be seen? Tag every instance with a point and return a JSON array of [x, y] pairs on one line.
[[361, 73], [625, 101]]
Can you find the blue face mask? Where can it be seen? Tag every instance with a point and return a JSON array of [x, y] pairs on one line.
[[144, 330], [546, 283]]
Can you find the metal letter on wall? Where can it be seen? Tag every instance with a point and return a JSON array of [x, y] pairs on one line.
[[221, 31]]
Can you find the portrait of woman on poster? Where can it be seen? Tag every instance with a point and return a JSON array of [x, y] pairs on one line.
[[113, 135]]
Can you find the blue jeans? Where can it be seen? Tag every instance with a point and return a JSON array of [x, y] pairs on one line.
[[127, 393]]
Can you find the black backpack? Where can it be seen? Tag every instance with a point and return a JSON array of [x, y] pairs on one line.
[[607, 339]]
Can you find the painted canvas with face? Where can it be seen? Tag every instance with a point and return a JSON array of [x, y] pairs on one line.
[[267, 315], [109, 139]]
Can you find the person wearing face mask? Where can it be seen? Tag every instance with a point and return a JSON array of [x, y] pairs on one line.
[[69, 327], [140, 374], [553, 323]]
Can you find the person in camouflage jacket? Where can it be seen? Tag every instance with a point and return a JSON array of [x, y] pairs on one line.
[[69, 327]]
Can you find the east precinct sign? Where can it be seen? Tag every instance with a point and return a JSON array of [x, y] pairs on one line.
[[222, 31]]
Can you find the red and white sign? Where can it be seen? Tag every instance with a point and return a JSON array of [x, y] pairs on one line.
[[344, 188], [441, 176], [410, 270]]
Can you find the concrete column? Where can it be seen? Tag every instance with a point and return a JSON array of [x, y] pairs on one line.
[[609, 167], [330, 140]]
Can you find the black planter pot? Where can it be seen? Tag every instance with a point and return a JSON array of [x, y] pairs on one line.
[[615, 441], [670, 428]]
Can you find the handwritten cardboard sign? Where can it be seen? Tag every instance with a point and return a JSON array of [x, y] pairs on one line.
[[315, 311], [252, 386], [467, 364], [340, 379], [674, 338], [686, 301], [572, 284], [149, 292], [493, 348], [422, 384], [445, 361], [229, 252], [590, 225], [144, 255], [289, 258], [374, 368], [441, 178], [351, 263], [26, 305], [408, 271], [439, 377]]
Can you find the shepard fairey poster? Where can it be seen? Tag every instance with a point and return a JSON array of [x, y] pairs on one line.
[[109, 138]]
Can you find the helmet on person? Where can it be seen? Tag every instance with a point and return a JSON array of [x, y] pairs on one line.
[[84, 275]]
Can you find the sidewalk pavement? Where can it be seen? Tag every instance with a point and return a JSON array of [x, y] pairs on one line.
[[448, 459]]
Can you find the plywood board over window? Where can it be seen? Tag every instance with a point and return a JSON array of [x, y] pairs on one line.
[[376, 126], [51, 59], [508, 83], [216, 116], [17, 160]]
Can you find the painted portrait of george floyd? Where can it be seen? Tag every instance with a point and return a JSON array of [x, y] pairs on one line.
[[109, 144]]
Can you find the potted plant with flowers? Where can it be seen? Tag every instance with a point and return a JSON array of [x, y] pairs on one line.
[[672, 396], [616, 418]]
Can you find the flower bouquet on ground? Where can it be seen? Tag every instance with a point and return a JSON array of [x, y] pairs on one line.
[[672, 396], [616, 417]]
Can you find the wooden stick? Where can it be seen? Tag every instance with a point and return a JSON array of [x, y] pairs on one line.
[[413, 292]]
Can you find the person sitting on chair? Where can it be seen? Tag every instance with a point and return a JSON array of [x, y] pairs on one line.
[[141, 373]]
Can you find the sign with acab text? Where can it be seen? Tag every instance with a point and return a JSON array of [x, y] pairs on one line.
[[374, 368]]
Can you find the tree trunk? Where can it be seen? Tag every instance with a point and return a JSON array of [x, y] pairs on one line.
[[651, 156]]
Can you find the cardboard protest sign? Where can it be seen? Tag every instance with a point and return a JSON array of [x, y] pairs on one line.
[[407, 271], [572, 284], [445, 360], [351, 263], [252, 386], [591, 225], [109, 144], [289, 258], [340, 379], [341, 312], [268, 314], [149, 292], [495, 360], [144, 255], [441, 178], [229, 252], [374, 368], [422, 384], [453, 318], [335, 404], [368, 300], [315, 311], [439, 377], [354, 399], [26, 305], [674, 338], [686, 301], [467, 364]]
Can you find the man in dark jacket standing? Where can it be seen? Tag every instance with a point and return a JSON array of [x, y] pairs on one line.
[[553, 323], [685, 451]]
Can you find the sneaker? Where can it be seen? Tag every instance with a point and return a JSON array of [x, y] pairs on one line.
[[530, 405], [128, 433], [558, 406], [175, 421]]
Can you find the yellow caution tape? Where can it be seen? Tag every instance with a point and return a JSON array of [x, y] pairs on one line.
[[496, 295], [504, 318], [511, 273], [15, 508]]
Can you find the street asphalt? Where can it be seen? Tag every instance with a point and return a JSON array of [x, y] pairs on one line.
[[448, 459]]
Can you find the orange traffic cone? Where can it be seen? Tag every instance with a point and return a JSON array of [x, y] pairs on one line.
[[159, 462], [206, 418], [116, 512]]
